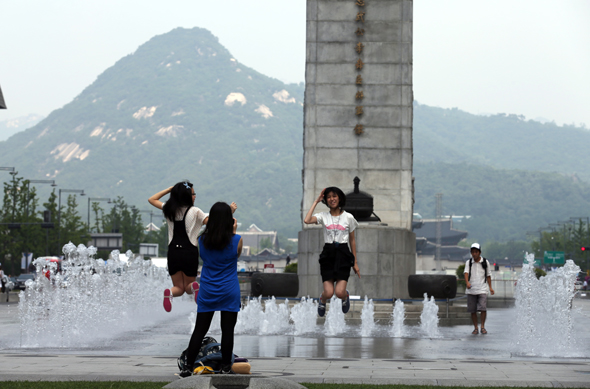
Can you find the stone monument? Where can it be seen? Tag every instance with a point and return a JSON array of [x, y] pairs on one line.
[[358, 122]]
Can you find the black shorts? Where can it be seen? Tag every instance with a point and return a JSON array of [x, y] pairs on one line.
[[186, 261], [336, 262]]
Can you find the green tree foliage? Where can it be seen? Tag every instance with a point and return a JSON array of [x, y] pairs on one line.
[[460, 275], [124, 219], [286, 244], [51, 233], [500, 141], [71, 225], [266, 243], [291, 268], [98, 213], [20, 209], [503, 204], [569, 238], [513, 250], [160, 237], [540, 273], [234, 153]]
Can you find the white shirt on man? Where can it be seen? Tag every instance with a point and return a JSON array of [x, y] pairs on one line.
[[478, 281], [336, 228]]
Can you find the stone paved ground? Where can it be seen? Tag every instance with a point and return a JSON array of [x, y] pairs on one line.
[[320, 370], [150, 355]]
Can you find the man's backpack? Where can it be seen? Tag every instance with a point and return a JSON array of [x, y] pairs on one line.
[[484, 264]]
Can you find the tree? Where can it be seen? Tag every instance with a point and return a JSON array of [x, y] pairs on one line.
[[160, 237], [51, 243], [98, 215], [266, 243], [126, 220], [72, 228], [20, 228]]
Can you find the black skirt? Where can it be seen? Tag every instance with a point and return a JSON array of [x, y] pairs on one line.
[[336, 260], [186, 261]]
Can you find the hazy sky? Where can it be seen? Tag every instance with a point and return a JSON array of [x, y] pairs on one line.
[[512, 56]]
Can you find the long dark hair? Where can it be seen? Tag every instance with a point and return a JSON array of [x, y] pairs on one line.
[[181, 195], [220, 227], [337, 192]]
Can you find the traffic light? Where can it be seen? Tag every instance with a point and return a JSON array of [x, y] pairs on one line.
[[585, 248], [496, 267]]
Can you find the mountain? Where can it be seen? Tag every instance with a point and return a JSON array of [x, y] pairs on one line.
[[179, 107], [503, 204], [13, 126], [502, 141]]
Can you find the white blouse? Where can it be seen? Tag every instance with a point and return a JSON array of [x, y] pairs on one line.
[[193, 222]]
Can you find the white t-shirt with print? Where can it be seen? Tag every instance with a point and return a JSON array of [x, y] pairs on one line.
[[478, 281], [338, 227], [193, 222]]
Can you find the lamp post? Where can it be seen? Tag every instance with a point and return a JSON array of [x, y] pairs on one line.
[[95, 199], [13, 172], [52, 183], [81, 191], [151, 213]]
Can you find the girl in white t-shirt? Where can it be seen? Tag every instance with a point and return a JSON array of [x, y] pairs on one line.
[[336, 259]]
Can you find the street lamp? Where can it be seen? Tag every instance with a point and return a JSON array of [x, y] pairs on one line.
[[13, 172], [81, 191], [151, 213], [52, 183], [96, 199]]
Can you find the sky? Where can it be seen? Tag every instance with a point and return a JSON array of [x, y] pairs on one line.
[[525, 57]]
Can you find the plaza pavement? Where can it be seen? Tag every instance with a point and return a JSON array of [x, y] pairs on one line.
[[136, 360], [39, 367]]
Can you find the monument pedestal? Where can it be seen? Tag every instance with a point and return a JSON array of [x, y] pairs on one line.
[[386, 257]]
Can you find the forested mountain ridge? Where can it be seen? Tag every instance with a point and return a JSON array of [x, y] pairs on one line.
[[180, 107], [503, 204], [502, 141]]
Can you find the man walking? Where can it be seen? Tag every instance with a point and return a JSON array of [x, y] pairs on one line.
[[478, 278]]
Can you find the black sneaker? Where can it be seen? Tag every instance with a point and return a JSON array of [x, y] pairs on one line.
[[181, 361], [321, 307], [185, 373], [346, 303], [226, 370]]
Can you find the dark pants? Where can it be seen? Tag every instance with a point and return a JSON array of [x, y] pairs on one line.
[[228, 322]]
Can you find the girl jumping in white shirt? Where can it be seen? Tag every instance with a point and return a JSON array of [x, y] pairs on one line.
[[336, 259]]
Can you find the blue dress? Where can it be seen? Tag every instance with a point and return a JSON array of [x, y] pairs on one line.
[[220, 288]]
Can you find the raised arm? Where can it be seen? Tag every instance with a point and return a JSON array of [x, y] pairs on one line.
[[240, 245], [155, 199], [309, 218]]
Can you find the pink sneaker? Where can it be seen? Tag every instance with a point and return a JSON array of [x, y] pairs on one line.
[[167, 300], [195, 289]]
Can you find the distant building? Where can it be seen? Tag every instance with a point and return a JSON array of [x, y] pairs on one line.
[[266, 256], [449, 236], [451, 254], [151, 227], [253, 237], [107, 241]]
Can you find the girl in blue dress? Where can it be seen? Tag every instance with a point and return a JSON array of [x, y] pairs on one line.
[[220, 248]]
